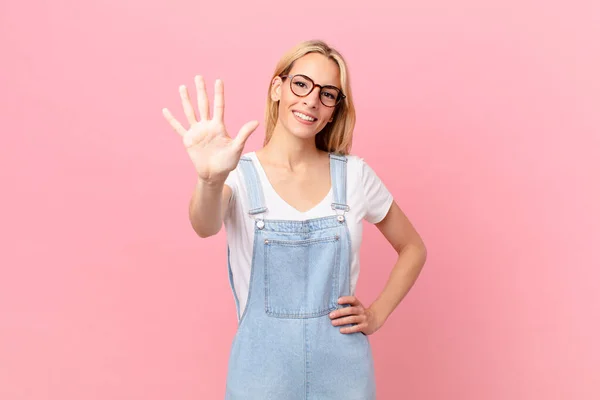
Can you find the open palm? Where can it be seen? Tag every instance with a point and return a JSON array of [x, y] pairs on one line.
[[212, 151]]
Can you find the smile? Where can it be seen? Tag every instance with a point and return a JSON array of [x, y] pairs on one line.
[[304, 117]]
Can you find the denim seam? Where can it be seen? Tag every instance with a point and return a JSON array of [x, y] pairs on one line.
[[235, 296], [250, 285], [302, 242], [332, 302], [266, 252], [307, 362], [336, 269]]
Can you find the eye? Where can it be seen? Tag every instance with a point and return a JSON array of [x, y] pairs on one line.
[[301, 84], [330, 93]]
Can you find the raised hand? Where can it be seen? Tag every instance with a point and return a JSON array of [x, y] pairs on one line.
[[212, 151]]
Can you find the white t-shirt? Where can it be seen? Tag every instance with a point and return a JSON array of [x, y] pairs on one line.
[[367, 197]]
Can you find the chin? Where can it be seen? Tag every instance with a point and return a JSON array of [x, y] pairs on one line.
[[303, 132]]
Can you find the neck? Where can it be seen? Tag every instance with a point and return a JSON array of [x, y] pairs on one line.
[[289, 151]]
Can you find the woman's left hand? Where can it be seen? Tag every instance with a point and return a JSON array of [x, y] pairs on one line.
[[365, 319]]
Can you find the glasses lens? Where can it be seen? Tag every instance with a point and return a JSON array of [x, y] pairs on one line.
[[301, 85], [330, 96]]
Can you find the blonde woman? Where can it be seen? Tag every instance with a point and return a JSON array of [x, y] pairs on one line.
[[293, 214]]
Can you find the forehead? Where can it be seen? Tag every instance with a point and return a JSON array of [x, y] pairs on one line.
[[319, 68]]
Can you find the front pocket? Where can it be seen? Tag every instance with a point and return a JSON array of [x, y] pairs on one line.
[[301, 277]]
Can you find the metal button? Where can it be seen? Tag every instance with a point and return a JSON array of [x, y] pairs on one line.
[[260, 224], [340, 218]]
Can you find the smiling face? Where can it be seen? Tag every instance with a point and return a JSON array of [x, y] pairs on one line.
[[306, 116]]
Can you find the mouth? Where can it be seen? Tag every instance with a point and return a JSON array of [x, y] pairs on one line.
[[304, 117]]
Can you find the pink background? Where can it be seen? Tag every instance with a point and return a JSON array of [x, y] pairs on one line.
[[482, 117]]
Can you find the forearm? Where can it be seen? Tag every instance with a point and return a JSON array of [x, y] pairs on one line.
[[205, 208], [402, 277]]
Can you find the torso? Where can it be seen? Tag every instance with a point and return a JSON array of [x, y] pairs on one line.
[[240, 226], [302, 189]]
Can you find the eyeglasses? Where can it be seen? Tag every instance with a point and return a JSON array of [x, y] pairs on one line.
[[302, 86]]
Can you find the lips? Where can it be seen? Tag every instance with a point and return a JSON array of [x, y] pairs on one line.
[[305, 113]]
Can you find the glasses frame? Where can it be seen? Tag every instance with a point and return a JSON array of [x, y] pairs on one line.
[[341, 97]]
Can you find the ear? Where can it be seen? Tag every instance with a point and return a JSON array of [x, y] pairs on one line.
[[276, 84]]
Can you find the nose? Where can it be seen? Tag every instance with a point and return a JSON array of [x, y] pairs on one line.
[[312, 100]]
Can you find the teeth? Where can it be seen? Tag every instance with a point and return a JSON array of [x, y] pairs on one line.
[[304, 117]]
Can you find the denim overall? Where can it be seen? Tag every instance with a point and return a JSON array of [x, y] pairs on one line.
[[285, 347]]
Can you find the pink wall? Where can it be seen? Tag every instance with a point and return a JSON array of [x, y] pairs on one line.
[[481, 117]]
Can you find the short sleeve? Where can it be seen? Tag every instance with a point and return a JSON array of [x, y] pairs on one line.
[[378, 198], [232, 182]]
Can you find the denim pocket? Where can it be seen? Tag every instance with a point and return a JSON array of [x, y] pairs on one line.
[[301, 277]]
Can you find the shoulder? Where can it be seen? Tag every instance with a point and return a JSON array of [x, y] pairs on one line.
[[360, 173], [359, 167], [354, 159], [234, 180], [375, 195]]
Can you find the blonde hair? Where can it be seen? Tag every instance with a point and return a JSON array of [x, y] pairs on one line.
[[336, 136]]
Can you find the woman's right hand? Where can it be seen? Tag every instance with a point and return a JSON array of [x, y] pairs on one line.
[[212, 151]]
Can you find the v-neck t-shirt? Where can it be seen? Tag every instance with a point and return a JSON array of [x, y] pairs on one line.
[[366, 195]]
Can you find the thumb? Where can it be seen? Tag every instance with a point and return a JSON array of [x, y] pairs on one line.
[[244, 133]]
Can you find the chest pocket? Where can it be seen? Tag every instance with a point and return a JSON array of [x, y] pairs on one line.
[[302, 277]]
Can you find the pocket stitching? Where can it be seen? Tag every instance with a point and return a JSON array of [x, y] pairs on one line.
[[297, 243]]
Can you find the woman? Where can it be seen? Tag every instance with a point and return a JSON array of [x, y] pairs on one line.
[[293, 215]]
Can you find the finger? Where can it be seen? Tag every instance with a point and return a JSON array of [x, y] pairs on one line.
[[349, 300], [244, 133], [219, 111], [345, 311], [347, 320], [176, 125], [354, 329], [187, 105], [202, 98]]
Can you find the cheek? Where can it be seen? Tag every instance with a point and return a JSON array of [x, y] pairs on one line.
[[287, 98], [328, 115], [283, 106]]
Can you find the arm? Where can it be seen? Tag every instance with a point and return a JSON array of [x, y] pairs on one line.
[[214, 155], [208, 206], [411, 257], [412, 254]]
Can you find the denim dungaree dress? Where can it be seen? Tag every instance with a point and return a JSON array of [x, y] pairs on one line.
[[285, 347]]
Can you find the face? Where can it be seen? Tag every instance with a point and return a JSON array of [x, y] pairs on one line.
[[304, 117]]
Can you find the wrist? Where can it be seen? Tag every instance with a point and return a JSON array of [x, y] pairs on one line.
[[379, 313], [213, 182]]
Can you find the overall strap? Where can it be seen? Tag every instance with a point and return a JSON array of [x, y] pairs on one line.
[[256, 198], [337, 166]]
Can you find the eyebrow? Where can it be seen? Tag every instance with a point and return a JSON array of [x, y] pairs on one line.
[[332, 85]]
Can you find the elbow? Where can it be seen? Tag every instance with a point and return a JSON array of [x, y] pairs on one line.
[[423, 250], [422, 253], [418, 249], [203, 226], [205, 234], [204, 231]]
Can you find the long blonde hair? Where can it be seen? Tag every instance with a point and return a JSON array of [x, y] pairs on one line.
[[336, 136]]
